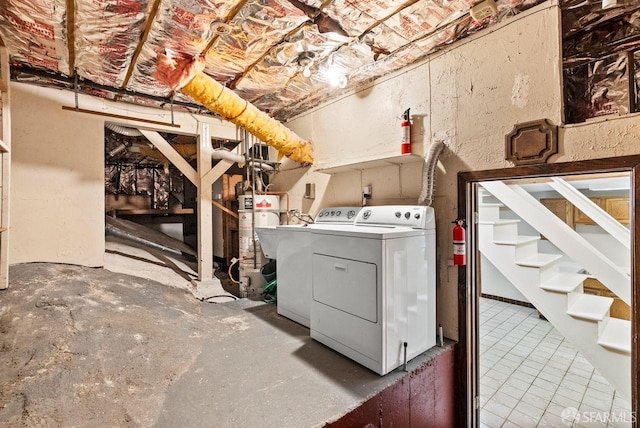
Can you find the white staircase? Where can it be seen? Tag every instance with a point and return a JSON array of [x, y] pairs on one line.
[[582, 319]]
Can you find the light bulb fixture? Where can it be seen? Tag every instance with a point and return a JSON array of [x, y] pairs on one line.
[[305, 61], [220, 28], [337, 79], [342, 81]]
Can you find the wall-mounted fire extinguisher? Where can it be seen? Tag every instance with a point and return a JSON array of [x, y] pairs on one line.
[[459, 243], [405, 146]]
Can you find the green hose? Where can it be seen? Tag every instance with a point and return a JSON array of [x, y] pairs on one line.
[[270, 291]]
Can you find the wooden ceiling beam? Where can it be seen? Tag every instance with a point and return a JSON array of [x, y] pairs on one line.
[[239, 77], [143, 40], [399, 9], [230, 16], [71, 31]]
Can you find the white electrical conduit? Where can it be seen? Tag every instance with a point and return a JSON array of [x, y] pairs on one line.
[[429, 173], [227, 155], [262, 166]]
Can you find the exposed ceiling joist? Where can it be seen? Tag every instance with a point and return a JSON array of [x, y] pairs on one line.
[[143, 39], [115, 43], [232, 14], [71, 29]]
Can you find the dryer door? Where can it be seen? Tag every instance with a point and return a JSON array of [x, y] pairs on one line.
[[347, 285]]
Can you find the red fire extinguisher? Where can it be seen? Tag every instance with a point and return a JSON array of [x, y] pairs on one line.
[[459, 243], [405, 146]]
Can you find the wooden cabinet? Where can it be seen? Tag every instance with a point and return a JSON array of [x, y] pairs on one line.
[[619, 209], [562, 208], [617, 206], [619, 309], [582, 218]]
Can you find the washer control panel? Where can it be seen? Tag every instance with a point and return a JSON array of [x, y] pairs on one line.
[[338, 215], [415, 216]]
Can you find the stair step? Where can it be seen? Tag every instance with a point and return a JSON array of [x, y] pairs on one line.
[[616, 335], [520, 240], [498, 222], [589, 307], [539, 260], [491, 204], [563, 282]]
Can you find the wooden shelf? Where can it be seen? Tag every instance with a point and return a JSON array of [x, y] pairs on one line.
[[176, 211], [366, 163]]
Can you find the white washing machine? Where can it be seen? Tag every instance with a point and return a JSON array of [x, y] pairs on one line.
[[373, 286], [292, 246]]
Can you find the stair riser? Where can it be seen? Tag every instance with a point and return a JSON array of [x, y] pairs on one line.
[[489, 213], [505, 232], [548, 272], [602, 325], [524, 251]]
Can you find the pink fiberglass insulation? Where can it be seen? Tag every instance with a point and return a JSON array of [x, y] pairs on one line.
[[179, 26], [106, 37], [35, 32]]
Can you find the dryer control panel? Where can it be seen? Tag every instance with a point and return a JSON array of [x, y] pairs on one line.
[[414, 216]]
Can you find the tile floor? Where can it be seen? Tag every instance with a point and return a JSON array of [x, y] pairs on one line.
[[530, 375]]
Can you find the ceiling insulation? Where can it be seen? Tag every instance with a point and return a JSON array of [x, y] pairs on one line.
[[601, 59], [250, 46]]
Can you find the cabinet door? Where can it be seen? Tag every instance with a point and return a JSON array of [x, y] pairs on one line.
[[618, 208], [582, 218], [561, 208]]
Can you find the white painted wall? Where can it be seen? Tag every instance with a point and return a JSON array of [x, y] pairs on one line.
[[58, 172], [470, 96]]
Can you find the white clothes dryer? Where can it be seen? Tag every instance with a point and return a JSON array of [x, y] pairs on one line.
[[373, 286]]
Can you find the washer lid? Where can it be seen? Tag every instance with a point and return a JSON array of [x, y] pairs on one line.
[[302, 228], [372, 232]]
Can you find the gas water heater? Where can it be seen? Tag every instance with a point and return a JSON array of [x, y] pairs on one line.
[[264, 211]]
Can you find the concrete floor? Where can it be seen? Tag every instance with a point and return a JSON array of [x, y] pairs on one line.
[[89, 347]]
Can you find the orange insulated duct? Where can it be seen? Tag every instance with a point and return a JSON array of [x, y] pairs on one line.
[[185, 73]]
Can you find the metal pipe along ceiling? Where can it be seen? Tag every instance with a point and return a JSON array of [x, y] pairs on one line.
[[185, 73]]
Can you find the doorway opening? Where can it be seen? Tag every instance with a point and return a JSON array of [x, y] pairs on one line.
[[504, 330], [547, 323], [151, 211]]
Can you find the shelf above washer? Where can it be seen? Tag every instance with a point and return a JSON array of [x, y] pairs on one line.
[[366, 163]]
